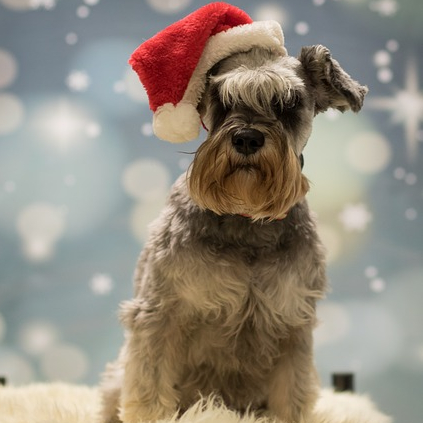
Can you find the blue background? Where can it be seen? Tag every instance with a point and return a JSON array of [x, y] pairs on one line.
[[81, 175]]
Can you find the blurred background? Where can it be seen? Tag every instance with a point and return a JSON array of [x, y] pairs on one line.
[[82, 175]]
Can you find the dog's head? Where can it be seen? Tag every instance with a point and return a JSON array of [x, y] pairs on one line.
[[258, 108]]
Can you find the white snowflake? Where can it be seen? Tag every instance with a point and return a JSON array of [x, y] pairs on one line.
[[101, 284], [83, 12], [71, 38], [410, 178], [78, 81], [411, 214], [302, 28], [377, 285], [355, 217], [406, 107], [382, 58], [392, 45], [147, 129], [385, 75]]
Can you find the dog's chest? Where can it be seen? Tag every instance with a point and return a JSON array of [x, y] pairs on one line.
[[245, 285], [238, 325], [222, 279]]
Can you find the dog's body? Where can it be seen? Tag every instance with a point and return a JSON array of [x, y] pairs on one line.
[[225, 289]]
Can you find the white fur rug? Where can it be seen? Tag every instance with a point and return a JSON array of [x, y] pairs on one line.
[[61, 403]]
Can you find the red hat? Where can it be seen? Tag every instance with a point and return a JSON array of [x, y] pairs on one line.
[[173, 64]]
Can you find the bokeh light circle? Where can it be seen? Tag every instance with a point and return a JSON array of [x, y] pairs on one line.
[[146, 179], [369, 339], [15, 367], [411, 213], [67, 137], [385, 75], [40, 225], [64, 362], [334, 323], [41, 220], [8, 68], [302, 28], [83, 12], [169, 6], [133, 87], [18, 5], [71, 38], [334, 181], [392, 45], [143, 214], [37, 336], [107, 59], [369, 152], [331, 239], [147, 129], [403, 297], [382, 58], [271, 11], [12, 113]]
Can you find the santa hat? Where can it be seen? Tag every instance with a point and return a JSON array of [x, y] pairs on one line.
[[173, 64]]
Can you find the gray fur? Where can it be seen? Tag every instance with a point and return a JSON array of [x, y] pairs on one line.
[[329, 84], [225, 304]]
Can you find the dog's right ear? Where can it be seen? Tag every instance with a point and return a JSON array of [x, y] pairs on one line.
[[331, 86]]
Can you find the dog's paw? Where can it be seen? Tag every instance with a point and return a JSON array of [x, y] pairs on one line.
[[135, 412]]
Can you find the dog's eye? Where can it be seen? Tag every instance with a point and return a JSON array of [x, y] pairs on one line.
[[293, 102]]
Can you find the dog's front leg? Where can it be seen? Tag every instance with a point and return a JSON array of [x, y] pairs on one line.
[[152, 365], [293, 385]]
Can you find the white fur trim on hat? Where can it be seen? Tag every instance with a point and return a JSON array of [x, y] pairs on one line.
[[177, 123]]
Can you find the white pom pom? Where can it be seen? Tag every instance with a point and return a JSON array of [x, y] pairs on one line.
[[178, 123]]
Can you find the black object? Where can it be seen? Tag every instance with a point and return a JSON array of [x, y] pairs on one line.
[[342, 382], [248, 141], [2, 381]]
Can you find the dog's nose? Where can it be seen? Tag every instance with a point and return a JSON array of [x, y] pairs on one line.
[[248, 141]]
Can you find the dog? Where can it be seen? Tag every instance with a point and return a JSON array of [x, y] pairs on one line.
[[227, 284]]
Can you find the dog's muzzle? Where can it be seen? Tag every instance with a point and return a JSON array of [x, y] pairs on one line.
[[248, 141]]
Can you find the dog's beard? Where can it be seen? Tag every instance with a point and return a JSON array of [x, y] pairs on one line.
[[264, 185]]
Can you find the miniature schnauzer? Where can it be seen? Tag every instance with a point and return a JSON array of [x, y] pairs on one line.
[[226, 287]]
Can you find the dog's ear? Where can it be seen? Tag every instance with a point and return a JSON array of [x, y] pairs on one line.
[[331, 86]]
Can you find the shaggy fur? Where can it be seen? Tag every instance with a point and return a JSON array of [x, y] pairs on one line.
[[226, 287], [62, 403]]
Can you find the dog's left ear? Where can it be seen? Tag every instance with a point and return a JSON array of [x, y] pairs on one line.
[[332, 87]]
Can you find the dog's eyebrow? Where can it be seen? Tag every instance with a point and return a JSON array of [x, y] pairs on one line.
[[287, 107], [294, 98]]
